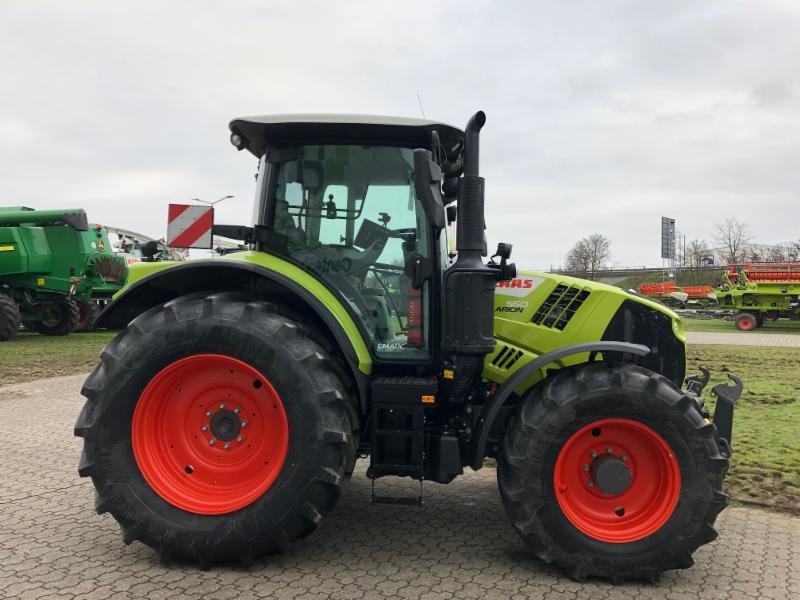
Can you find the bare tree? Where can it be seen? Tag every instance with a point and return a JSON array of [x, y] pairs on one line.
[[793, 251], [578, 258], [776, 253], [589, 255], [696, 257], [752, 253], [733, 235]]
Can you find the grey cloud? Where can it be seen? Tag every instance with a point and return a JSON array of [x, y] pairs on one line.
[[602, 116]]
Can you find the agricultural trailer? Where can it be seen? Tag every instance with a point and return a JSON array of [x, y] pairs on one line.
[[223, 420], [673, 295], [760, 292], [54, 267]]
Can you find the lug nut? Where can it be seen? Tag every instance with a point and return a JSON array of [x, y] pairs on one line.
[[204, 428], [240, 438], [585, 467], [209, 413], [227, 446], [610, 450], [244, 423], [212, 441], [236, 410], [624, 457], [221, 405], [593, 454], [591, 484]]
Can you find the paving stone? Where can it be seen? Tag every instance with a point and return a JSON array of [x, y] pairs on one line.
[[459, 544], [744, 338]]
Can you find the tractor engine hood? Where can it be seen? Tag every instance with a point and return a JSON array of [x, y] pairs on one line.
[[538, 312]]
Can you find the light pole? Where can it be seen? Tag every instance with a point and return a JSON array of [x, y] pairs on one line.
[[211, 203]]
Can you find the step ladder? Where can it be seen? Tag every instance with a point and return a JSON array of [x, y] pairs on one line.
[[397, 432]]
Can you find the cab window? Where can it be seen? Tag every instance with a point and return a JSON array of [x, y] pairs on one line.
[[350, 215]]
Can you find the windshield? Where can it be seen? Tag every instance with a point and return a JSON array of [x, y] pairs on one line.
[[350, 214]]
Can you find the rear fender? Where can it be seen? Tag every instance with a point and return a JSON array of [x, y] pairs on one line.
[[315, 301]]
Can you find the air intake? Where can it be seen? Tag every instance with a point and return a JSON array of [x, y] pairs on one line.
[[110, 268], [560, 306], [507, 357]]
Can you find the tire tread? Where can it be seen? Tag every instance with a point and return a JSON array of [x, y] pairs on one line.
[[526, 513], [333, 395]]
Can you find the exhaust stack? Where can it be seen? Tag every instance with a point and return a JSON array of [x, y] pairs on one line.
[[470, 237], [469, 282]]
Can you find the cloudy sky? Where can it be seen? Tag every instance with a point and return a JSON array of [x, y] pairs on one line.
[[602, 116]]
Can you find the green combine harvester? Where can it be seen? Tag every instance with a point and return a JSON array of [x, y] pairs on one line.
[[222, 422], [54, 266], [760, 292]]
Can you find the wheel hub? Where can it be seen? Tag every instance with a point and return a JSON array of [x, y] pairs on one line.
[[225, 425], [611, 475]]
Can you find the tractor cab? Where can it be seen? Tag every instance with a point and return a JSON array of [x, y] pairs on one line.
[[337, 195]]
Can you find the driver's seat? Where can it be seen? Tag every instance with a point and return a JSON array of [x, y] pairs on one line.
[[284, 223]]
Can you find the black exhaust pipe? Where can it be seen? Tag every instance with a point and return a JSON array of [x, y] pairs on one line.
[[469, 283], [472, 143], [471, 223]]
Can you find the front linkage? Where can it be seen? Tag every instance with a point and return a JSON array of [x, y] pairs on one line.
[[726, 395]]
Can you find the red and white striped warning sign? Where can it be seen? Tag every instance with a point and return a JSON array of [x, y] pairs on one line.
[[189, 226]]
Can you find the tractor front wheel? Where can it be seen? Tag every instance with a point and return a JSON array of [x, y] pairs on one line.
[[217, 429], [9, 318], [611, 472], [58, 318]]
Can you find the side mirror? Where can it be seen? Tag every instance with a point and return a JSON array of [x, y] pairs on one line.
[[149, 250], [428, 185], [450, 189]]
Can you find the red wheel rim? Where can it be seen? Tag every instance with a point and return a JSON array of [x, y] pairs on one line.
[[82, 316], [643, 506], [746, 323], [182, 428]]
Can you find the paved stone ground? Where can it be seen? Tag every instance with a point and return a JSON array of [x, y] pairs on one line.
[[459, 545], [784, 340]]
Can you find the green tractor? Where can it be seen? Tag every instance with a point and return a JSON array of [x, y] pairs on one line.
[[224, 418], [54, 267]]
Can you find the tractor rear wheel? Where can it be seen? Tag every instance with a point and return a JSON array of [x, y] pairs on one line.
[[611, 472], [9, 318], [216, 429], [58, 318], [745, 321]]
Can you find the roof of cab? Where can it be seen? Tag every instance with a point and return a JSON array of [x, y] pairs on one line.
[[259, 131]]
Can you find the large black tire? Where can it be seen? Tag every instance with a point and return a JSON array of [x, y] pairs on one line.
[[552, 413], [87, 315], [62, 319], [9, 318], [320, 411]]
